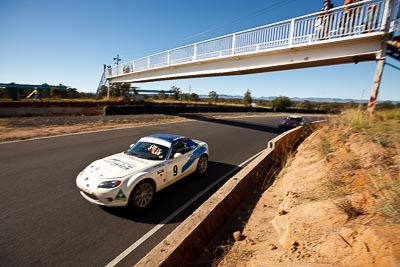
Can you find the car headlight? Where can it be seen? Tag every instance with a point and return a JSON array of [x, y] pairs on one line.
[[109, 184]]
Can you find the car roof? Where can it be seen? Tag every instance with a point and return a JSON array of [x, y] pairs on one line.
[[168, 137], [295, 117]]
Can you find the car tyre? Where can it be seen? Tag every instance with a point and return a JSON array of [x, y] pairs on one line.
[[142, 195], [202, 165]]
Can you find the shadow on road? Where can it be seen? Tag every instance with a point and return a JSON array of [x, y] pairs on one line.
[[235, 123], [173, 197]]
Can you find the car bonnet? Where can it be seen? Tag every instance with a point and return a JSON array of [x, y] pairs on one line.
[[118, 166]]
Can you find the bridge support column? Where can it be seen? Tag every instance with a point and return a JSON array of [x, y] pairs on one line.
[[375, 86], [389, 15]]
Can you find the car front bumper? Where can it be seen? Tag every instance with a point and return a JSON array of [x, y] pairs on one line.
[[103, 200], [111, 197]]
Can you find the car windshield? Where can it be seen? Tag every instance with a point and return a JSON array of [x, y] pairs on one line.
[[295, 119], [148, 150]]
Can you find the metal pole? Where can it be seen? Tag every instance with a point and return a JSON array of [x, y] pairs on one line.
[[375, 86], [381, 56], [233, 43], [117, 60], [291, 32]]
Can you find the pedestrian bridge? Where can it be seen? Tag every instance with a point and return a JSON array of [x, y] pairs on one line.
[[354, 33]]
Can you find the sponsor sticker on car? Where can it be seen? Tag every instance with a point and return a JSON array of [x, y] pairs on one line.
[[120, 195]]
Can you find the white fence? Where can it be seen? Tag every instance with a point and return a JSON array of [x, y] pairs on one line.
[[359, 18]]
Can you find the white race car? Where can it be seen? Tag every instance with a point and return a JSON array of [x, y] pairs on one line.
[[134, 176]]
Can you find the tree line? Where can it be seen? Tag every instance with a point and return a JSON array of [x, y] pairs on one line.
[[41, 93], [124, 92], [278, 103]]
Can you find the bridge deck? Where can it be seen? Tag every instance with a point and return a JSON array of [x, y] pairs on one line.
[[340, 35]]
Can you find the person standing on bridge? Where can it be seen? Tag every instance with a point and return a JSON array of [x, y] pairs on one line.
[[370, 23], [322, 24], [343, 23], [326, 21], [350, 17], [327, 5]]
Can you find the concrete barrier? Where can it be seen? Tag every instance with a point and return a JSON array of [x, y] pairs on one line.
[[187, 241], [96, 108], [49, 111], [182, 108]]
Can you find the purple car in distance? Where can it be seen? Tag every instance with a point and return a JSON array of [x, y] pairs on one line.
[[290, 122]]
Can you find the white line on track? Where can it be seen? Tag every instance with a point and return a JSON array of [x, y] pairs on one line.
[[132, 247]]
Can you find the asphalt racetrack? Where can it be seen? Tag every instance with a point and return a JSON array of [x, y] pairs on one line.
[[46, 222]]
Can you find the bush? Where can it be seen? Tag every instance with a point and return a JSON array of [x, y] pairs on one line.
[[281, 103]]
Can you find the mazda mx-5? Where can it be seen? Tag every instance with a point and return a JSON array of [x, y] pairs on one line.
[[133, 177]]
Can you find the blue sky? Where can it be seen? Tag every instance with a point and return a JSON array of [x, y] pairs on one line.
[[68, 41]]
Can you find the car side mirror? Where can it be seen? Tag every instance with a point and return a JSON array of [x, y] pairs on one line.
[[177, 155], [131, 145]]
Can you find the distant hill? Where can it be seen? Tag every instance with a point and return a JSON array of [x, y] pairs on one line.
[[300, 99]]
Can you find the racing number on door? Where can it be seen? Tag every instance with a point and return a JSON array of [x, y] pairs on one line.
[[175, 170]]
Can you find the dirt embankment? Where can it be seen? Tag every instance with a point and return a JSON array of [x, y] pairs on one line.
[[336, 203]]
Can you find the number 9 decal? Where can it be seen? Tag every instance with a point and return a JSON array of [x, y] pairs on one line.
[[175, 169]]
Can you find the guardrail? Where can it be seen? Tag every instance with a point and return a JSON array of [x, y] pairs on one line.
[[359, 18], [187, 241]]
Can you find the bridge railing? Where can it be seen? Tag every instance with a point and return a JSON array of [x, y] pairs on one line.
[[359, 18]]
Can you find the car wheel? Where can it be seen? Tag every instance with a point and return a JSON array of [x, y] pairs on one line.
[[202, 165], [142, 195]]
